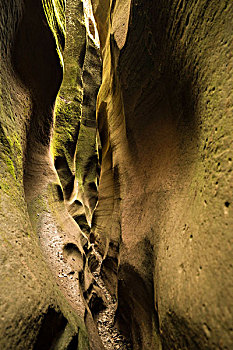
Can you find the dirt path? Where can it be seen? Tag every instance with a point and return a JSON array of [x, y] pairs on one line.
[[109, 334]]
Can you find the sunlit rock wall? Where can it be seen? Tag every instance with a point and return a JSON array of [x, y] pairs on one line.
[[151, 188], [76, 151], [164, 218], [75, 140], [34, 314]]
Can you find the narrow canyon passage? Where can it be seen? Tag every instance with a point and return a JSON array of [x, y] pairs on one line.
[[77, 150], [116, 178]]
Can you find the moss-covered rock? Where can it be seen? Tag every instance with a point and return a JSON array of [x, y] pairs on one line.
[[35, 313], [75, 145]]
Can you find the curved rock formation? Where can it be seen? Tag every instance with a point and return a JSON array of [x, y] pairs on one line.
[[116, 210], [164, 216], [34, 312]]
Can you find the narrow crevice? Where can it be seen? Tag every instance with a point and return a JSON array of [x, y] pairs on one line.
[[52, 327]]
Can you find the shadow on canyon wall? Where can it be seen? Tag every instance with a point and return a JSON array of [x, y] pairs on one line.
[[116, 174]]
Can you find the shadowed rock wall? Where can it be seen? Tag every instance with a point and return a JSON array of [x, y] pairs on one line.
[[144, 244], [34, 312], [164, 218]]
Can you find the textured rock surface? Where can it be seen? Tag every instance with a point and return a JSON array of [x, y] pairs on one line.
[[34, 313], [164, 217], [123, 231]]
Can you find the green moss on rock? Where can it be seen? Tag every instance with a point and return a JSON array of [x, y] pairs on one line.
[[55, 14]]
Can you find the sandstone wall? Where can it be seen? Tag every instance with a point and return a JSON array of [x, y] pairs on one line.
[[164, 218], [34, 312], [116, 232]]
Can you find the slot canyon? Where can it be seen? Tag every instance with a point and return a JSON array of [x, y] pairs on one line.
[[116, 174]]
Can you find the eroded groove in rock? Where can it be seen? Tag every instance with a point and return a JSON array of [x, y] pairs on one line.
[[116, 209], [31, 75], [158, 117]]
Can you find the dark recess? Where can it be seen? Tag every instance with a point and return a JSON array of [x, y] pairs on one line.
[[51, 329]]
